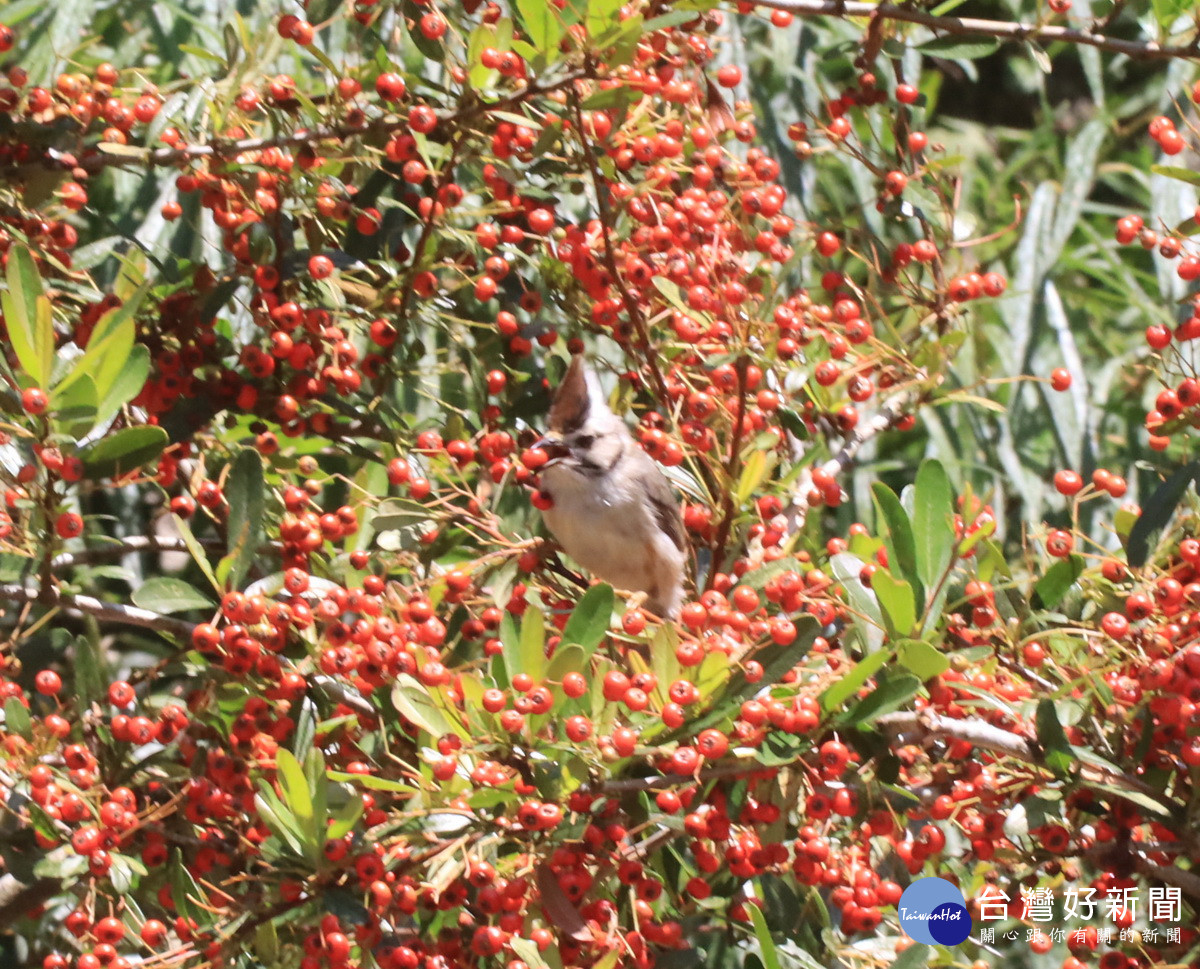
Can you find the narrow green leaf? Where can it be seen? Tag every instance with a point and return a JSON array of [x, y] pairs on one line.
[[75, 412], [533, 644], [124, 451], [162, 593], [413, 702], [891, 694], [266, 943], [127, 384], [296, 792], [1052, 586], [246, 493], [897, 536], [198, 554], [91, 677], [567, 659], [108, 348], [896, 599], [601, 15], [922, 658], [28, 316], [279, 819], [345, 818], [854, 680], [956, 48], [16, 718], [762, 932], [185, 893], [588, 623], [1157, 511], [867, 617], [933, 522], [543, 25], [672, 18], [371, 782], [1053, 738]]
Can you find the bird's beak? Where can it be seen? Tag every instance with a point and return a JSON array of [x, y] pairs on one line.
[[553, 446]]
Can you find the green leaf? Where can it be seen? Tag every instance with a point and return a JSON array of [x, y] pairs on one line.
[[123, 451], [266, 943], [198, 554], [185, 893], [279, 819], [933, 522], [588, 623], [542, 24], [1052, 586], [854, 680], [1166, 12], [1053, 738], [897, 536], [601, 15], [16, 718], [246, 494], [533, 644], [914, 957], [762, 932], [126, 385], [91, 678], [108, 348], [413, 701], [891, 694], [867, 617], [1179, 174], [75, 412], [125, 873], [162, 593], [896, 599], [1157, 511], [671, 19], [955, 48], [345, 818], [371, 782], [296, 793], [567, 659], [27, 314], [922, 658]]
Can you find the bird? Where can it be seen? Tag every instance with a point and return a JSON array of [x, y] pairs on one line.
[[610, 506]]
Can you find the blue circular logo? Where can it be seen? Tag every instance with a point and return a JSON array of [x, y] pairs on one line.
[[933, 911]]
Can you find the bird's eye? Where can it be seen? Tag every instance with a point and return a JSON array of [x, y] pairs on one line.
[[583, 441]]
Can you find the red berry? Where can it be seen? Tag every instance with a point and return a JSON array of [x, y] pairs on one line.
[[34, 401], [390, 86], [69, 525], [1068, 482]]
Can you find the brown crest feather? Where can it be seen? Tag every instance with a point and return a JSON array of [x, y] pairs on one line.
[[571, 401]]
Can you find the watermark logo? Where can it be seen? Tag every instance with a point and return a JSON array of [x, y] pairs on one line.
[[933, 911]]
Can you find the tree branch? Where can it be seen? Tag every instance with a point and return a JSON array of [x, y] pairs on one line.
[[223, 147], [973, 26], [925, 725], [18, 897], [795, 514], [104, 611]]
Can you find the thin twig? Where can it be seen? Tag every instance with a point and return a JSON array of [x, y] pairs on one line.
[[632, 307], [974, 26], [795, 514], [222, 147]]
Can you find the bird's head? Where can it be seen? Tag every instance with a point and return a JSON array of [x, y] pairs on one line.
[[582, 432]]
